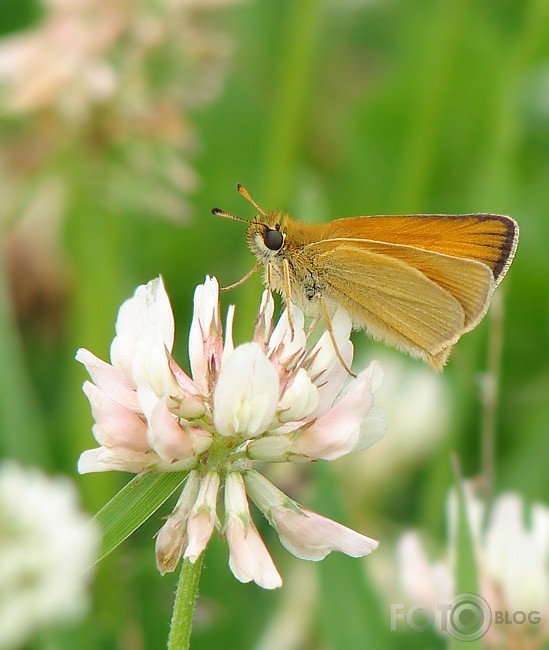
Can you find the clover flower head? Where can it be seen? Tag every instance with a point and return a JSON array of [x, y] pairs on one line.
[[277, 398], [46, 548], [512, 559]]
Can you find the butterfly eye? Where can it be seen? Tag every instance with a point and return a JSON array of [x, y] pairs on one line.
[[273, 239]]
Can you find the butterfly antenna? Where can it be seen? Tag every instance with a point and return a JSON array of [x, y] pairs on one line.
[[228, 215], [247, 196]]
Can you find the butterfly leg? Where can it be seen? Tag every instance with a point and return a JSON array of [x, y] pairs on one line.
[[326, 315], [288, 295]]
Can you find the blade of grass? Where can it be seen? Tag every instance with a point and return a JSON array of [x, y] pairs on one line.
[[466, 578], [133, 505]]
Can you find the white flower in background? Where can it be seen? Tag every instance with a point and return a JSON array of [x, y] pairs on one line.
[[274, 399], [46, 548], [512, 556]]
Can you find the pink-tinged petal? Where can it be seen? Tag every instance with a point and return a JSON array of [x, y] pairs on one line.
[[116, 426], [188, 402], [166, 436], [199, 530], [337, 432], [246, 393], [303, 532], [103, 459], [203, 517], [106, 378], [311, 536], [205, 336], [249, 559]]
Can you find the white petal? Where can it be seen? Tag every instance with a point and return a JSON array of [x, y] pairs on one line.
[[300, 398], [151, 364], [246, 393], [205, 332], [264, 321], [283, 343], [228, 348], [148, 310], [425, 583], [514, 557], [372, 429], [129, 327], [263, 493], [102, 459], [157, 311], [270, 449], [331, 382]]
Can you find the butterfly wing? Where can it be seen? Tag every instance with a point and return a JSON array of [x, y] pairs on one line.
[[488, 238]]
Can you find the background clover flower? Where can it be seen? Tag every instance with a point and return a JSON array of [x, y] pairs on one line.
[[277, 398], [46, 548], [512, 559]]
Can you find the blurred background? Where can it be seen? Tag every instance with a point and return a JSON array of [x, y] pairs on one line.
[[122, 124]]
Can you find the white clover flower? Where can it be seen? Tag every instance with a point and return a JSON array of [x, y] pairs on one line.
[[274, 399], [512, 559], [46, 548]]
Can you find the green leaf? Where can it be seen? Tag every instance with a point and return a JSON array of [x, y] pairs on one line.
[[133, 505]]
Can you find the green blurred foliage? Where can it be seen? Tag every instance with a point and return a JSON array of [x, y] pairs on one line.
[[329, 109]]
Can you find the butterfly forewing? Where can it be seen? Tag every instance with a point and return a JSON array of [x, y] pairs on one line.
[[487, 238]]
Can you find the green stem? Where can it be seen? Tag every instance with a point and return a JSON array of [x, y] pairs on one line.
[[183, 608]]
